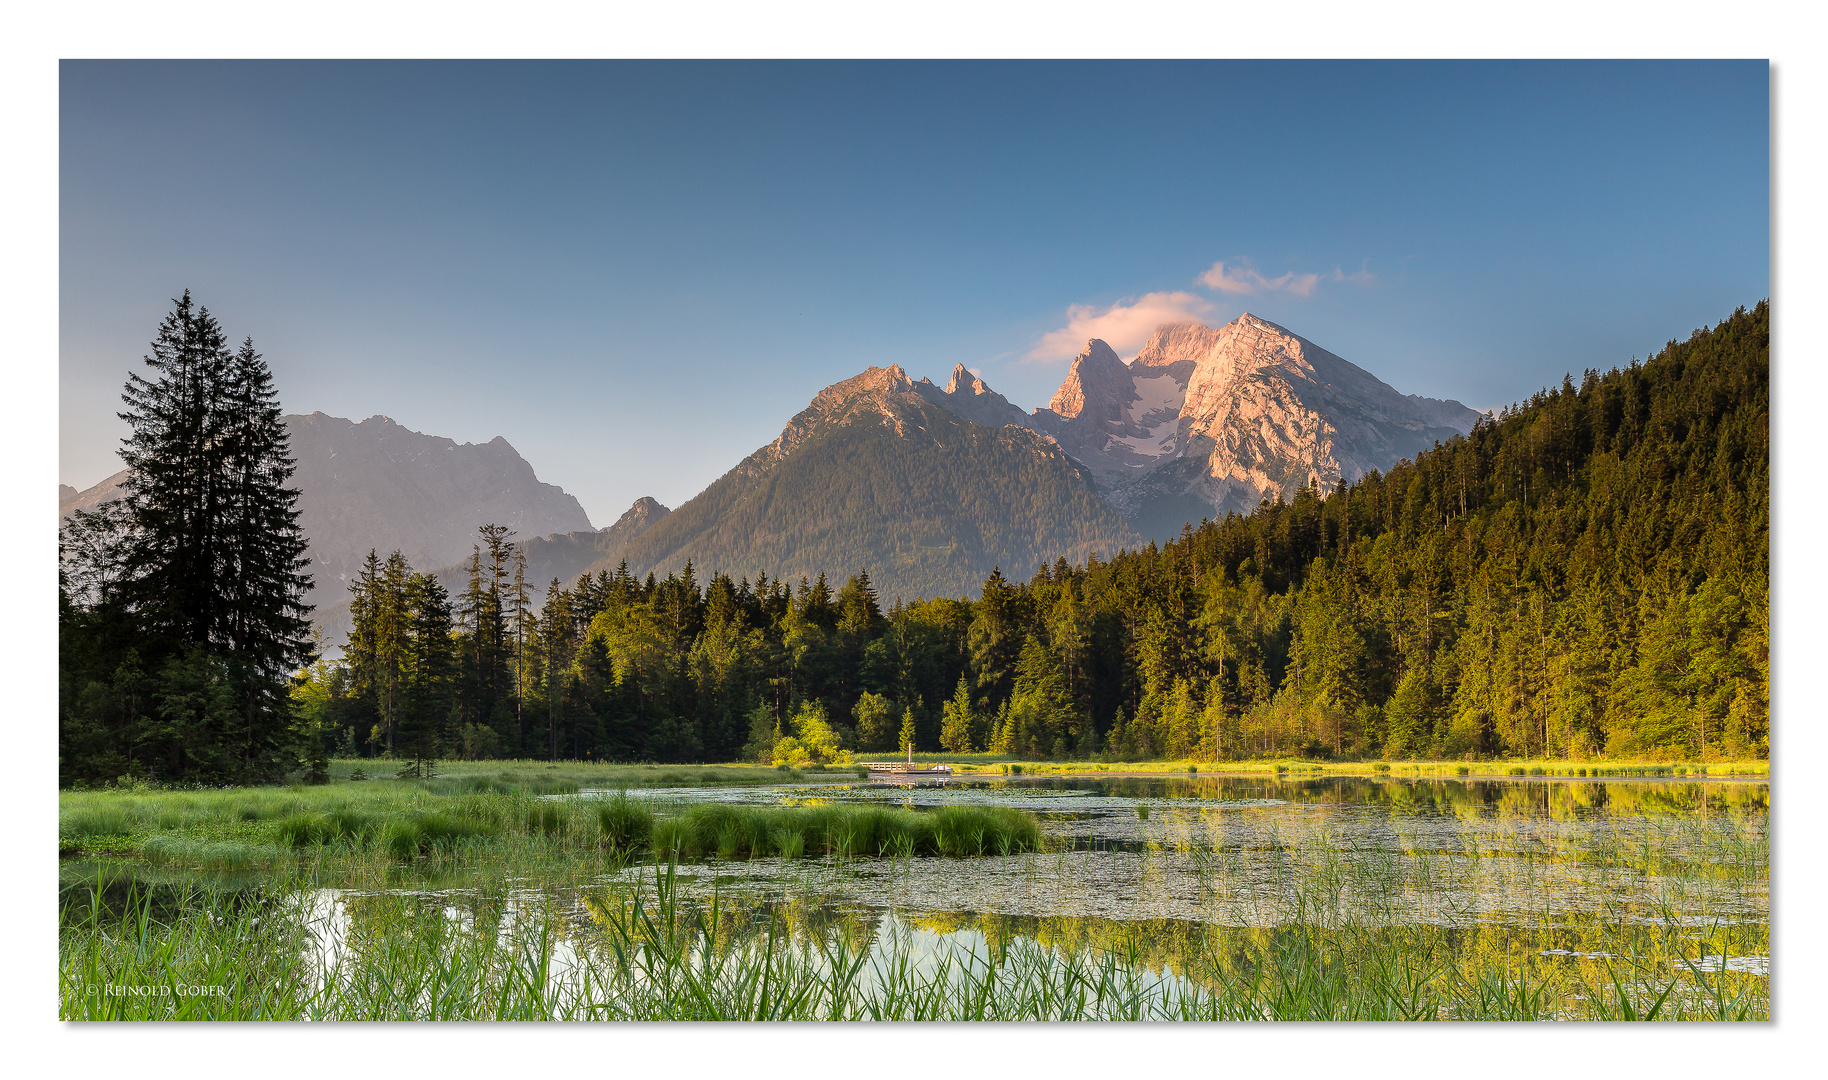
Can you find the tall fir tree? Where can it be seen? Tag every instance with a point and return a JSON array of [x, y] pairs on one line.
[[430, 674], [202, 581], [264, 620], [176, 453]]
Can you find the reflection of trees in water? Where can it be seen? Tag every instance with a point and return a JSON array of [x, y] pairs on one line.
[[112, 893], [1555, 798], [1564, 956], [815, 924], [1173, 944]]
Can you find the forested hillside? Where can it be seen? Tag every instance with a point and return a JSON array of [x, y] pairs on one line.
[[1586, 574], [874, 476]]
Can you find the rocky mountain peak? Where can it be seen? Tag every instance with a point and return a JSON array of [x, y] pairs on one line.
[[1097, 380], [645, 511], [873, 381], [962, 379], [971, 398], [876, 391], [1206, 420], [1246, 342], [1174, 343]]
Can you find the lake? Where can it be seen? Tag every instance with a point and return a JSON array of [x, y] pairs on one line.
[[1212, 896]]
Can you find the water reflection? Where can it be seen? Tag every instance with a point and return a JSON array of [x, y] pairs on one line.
[[1258, 851], [1220, 868], [109, 891], [1554, 798]]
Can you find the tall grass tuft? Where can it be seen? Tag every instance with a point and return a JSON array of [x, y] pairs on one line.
[[211, 855], [623, 823]]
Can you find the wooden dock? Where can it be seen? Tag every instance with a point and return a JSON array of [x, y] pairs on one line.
[[906, 768]]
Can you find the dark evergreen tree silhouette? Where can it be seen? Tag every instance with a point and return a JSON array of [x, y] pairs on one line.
[[192, 588]]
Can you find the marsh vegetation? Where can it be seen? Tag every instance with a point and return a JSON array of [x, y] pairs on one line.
[[1191, 897]]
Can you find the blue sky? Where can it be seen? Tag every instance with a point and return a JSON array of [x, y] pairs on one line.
[[637, 272]]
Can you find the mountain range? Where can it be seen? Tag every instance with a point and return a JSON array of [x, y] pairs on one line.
[[900, 477], [875, 475], [376, 484], [926, 488]]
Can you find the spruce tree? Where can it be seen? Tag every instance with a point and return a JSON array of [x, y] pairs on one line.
[[176, 452], [212, 565], [379, 639], [267, 629], [955, 728], [429, 674], [556, 634], [907, 730], [521, 612]]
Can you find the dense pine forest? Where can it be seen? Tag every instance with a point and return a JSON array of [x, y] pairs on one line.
[[1585, 574]]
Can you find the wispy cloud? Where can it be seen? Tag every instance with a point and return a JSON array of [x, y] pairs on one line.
[[1240, 278], [1125, 326]]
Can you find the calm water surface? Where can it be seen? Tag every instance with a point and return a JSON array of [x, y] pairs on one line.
[[1223, 850]]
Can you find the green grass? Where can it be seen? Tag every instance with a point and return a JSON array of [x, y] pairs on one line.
[[166, 849], [728, 831], [453, 815], [558, 778]]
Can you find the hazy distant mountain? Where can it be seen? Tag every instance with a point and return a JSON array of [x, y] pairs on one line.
[[379, 485], [1206, 420], [875, 475], [69, 499]]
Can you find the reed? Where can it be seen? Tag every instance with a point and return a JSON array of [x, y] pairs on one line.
[[728, 831], [1290, 922], [623, 823], [654, 951], [168, 850]]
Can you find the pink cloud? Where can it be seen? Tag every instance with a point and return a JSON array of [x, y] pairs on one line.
[[1125, 326]]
